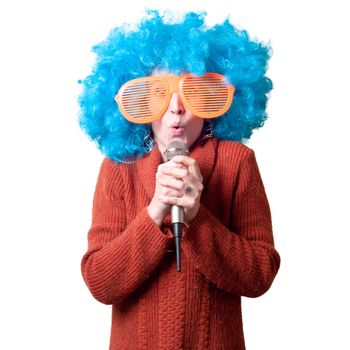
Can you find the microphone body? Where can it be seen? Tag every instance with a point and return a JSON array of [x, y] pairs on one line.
[[176, 148]]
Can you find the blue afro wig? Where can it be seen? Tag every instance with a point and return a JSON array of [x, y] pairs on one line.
[[185, 46]]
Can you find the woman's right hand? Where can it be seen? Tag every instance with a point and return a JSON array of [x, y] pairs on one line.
[[168, 183]]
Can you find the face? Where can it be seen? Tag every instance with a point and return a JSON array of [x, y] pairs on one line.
[[177, 122]]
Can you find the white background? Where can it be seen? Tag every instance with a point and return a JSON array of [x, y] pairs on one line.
[[49, 170]]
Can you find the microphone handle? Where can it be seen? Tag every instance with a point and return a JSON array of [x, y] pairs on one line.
[[177, 231], [177, 219]]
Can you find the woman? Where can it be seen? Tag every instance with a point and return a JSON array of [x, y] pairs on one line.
[[227, 246]]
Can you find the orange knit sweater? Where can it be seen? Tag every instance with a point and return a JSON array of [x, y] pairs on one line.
[[227, 252]]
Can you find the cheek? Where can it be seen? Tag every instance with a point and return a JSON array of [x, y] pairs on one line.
[[198, 125], [155, 125]]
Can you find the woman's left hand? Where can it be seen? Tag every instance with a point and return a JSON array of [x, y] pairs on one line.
[[192, 189]]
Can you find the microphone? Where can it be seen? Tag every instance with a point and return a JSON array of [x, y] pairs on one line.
[[176, 148]]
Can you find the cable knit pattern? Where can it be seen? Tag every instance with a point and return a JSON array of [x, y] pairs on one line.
[[227, 252]]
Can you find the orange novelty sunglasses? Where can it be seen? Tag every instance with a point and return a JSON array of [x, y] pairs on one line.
[[146, 99]]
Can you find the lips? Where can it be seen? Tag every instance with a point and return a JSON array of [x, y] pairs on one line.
[[177, 131], [176, 124]]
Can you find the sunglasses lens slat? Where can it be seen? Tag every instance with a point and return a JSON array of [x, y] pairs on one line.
[[142, 99], [207, 96]]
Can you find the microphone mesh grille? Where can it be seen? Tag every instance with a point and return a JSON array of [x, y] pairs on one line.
[[175, 148]]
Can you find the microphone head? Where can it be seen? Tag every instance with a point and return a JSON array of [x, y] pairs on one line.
[[175, 148]]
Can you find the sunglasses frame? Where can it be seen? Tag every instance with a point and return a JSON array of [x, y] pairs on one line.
[[174, 84]]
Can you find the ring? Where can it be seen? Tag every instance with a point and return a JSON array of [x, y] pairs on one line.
[[188, 189]]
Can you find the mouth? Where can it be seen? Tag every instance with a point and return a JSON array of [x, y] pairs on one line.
[[177, 130]]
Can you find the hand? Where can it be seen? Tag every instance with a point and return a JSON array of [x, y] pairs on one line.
[[178, 182]]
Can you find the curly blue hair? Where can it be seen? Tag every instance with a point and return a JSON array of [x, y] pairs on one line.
[[185, 46]]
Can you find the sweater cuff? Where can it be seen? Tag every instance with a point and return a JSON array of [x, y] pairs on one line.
[[202, 218], [160, 232]]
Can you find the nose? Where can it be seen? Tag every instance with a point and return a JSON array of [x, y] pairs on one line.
[[176, 106]]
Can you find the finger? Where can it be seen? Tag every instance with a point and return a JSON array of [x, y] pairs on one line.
[[172, 164], [171, 182], [191, 164], [184, 202], [175, 172], [169, 192]]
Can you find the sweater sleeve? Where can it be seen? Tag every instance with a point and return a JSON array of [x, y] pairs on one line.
[[120, 257], [240, 259]]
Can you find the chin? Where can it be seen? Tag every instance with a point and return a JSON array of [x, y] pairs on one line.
[[183, 139]]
